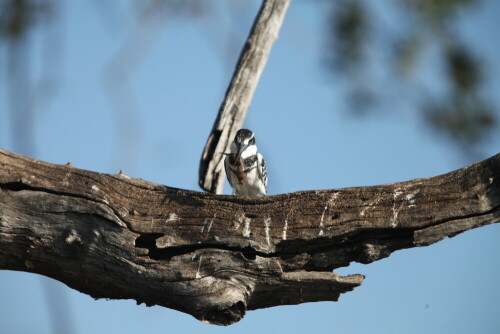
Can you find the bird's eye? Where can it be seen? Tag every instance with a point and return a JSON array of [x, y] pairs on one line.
[[252, 141]]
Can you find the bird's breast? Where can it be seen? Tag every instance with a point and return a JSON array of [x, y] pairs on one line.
[[241, 176]]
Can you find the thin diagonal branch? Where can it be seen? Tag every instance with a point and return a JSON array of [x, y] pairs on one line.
[[239, 94]]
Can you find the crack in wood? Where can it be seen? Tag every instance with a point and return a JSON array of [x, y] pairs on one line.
[[203, 261], [21, 186], [148, 241]]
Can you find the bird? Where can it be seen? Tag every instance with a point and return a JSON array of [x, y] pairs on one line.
[[245, 167]]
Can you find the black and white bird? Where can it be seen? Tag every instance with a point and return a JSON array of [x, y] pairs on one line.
[[245, 167]]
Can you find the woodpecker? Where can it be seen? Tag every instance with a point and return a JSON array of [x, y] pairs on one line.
[[245, 167]]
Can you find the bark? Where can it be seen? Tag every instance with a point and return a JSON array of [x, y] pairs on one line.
[[239, 94], [214, 256]]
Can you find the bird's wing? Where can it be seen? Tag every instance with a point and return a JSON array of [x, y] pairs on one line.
[[261, 167]]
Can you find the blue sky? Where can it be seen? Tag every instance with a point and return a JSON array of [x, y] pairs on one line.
[[308, 137]]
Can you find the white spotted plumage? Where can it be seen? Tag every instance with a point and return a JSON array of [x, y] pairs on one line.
[[245, 167]]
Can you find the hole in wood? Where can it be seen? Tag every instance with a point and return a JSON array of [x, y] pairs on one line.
[[147, 240], [335, 215]]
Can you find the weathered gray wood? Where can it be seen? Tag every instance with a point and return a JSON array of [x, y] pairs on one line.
[[239, 94], [215, 257]]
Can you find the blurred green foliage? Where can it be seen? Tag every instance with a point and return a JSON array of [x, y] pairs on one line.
[[349, 31], [355, 34], [17, 17]]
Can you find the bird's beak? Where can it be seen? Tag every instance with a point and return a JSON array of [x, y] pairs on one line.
[[240, 150]]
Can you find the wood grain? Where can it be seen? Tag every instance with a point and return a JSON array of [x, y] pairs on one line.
[[214, 256]]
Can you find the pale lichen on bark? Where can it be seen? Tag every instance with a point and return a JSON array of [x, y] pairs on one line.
[[216, 257]]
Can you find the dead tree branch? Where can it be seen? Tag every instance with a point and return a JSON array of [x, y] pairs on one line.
[[214, 257], [239, 94]]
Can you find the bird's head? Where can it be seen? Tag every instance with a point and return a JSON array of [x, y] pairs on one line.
[[244, 144]]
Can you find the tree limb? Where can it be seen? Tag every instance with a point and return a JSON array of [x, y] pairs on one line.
[[239, 94], [214, 257]]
